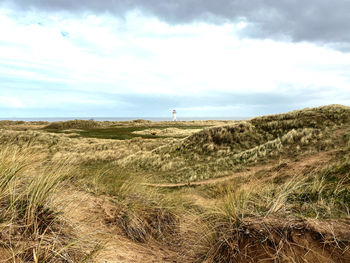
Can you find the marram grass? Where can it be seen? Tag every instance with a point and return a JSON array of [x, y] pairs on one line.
[[31, 230]]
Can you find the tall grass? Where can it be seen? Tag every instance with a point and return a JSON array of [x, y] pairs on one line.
[[145, 213], [30, 229], [178, 167]]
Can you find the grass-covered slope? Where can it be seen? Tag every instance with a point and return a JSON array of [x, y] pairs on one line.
[[217, 151], [248, 134]]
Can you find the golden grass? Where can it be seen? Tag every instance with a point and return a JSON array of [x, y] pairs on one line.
[[30, 230], [81, 150], [193, 166]]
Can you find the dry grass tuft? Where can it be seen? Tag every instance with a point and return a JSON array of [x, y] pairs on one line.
[[274, 239], [30, 229]]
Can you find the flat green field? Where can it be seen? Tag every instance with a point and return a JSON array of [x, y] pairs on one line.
[[124, 133]]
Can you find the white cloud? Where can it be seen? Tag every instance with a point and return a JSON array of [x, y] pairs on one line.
[[11, 102], [104, 54]]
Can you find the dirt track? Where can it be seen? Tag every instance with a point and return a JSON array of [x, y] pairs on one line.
[[291, 167], [304, 162]]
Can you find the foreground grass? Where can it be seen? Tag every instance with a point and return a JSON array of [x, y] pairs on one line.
[[30, 230]]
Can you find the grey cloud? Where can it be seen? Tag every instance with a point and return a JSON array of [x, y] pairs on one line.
[[321, 21]]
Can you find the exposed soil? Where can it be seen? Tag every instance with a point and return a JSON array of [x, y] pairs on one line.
[[276, 239], [89, 213]]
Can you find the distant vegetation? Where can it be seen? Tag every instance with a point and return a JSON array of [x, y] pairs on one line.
[[74, 124], [128, 129]]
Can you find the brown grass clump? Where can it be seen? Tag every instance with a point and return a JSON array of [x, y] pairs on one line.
[[240, 136], [142, 223], [144, 214], [274, 239]]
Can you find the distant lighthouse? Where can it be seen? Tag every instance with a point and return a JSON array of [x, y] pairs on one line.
[[174, 115]]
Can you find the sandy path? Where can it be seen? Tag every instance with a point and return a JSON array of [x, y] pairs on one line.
[[88, 213], [291, 167], [249, 171], [307, 160]]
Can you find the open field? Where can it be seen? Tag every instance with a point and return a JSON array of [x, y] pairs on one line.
[[270, 189]]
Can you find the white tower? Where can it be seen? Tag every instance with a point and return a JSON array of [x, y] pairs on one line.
[[174, 115]]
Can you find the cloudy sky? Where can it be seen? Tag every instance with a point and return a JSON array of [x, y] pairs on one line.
[[143, 58]]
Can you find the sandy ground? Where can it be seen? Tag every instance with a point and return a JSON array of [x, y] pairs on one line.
[[88, 214]]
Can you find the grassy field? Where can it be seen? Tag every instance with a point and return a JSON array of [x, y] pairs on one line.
[[125, 133], [270, 189]]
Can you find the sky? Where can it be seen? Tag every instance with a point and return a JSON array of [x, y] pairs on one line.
[[204, 58]]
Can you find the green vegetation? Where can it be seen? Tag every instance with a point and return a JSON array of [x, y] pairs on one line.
[[125, 133], [121, 130]]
